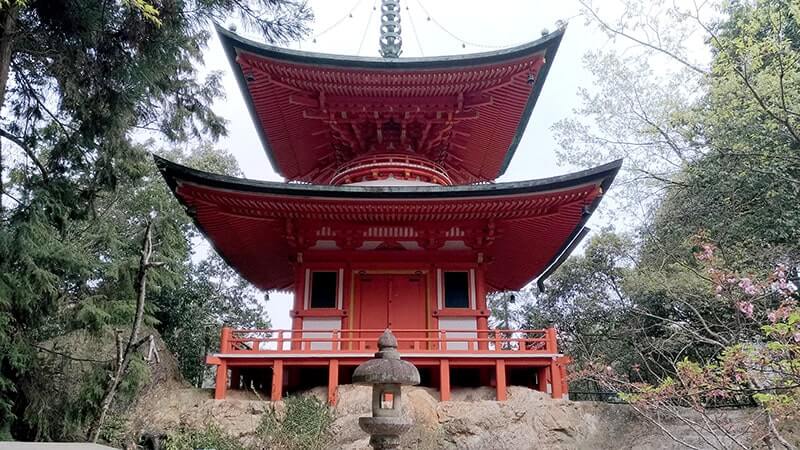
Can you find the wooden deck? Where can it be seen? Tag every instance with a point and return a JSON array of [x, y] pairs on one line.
[[492, 353]]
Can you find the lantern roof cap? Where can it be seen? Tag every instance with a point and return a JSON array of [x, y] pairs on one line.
[[386, 367]]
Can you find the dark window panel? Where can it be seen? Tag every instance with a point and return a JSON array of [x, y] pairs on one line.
[[323, 289], [456, 290]]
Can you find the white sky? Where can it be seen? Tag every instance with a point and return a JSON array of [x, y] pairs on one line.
[[504, 24]]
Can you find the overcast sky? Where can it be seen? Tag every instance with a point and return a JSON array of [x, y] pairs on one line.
[[482, 24]]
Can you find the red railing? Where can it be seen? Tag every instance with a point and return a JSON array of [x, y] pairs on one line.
[[405, 166], [409, 340]]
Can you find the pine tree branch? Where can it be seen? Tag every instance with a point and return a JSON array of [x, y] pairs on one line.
[[68, 356], [28, 151]]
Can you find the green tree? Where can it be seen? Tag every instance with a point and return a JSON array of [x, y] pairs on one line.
[[712, 170], [81, 85], [192, 314]]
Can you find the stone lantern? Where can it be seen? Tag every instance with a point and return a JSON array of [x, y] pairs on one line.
[[386, 373]]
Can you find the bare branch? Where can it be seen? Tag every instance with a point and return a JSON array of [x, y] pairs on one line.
[[605, 25]]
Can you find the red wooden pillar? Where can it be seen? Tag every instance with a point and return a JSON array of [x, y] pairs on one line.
[[444, 380], [333, 380], [555, 380], [563, 362], [541, 378], [299, 299], [222, 381], [500, 368], [277, 380], [480, 303]]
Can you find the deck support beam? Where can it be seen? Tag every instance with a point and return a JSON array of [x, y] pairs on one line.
[[541, 379], [277, 381], [222, 381], [500, 375], [333, 381], [555, 380], [444, 380]]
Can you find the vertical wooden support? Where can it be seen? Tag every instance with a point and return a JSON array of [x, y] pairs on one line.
[[552, 343], [480, 303], [236, 381], [541, 378], [555, 380], [563, 362], [299, 298], [224, 340], [444, 380], [333, 380], [500, 367], [222, 381], [277, 380]]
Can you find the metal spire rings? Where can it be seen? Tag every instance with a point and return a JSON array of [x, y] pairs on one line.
[[390, 42]]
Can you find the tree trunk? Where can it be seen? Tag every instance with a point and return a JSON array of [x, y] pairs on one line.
[[125, 354], [8, 21]]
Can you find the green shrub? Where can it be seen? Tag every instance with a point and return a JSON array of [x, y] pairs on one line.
[[305, 425], [212, 437]]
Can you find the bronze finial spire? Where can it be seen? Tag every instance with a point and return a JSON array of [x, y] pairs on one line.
[[390, 41]]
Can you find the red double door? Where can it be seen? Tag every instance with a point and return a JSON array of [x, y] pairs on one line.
[[395, 301]]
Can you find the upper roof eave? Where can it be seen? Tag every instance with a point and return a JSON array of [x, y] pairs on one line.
[[232, 41], [173, 173], [548, 44]]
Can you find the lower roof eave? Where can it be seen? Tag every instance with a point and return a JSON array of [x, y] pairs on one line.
[[539, 220]]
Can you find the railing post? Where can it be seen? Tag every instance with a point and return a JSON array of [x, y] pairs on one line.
[[224, 340], [443, 334], [280, 341], [552, 346], [335, 340]]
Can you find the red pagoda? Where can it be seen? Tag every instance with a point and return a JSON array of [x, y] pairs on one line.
[[390, 217]]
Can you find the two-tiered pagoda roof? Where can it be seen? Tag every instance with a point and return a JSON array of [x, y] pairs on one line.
[[338, 127]]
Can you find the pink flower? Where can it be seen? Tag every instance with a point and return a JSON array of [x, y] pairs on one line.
[[718, 288], [745, 308], [797, 336], [773, 316], [747, 286], [707, 252]]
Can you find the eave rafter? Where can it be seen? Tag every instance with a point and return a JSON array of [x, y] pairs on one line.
[[510, 208], [475, 235]]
